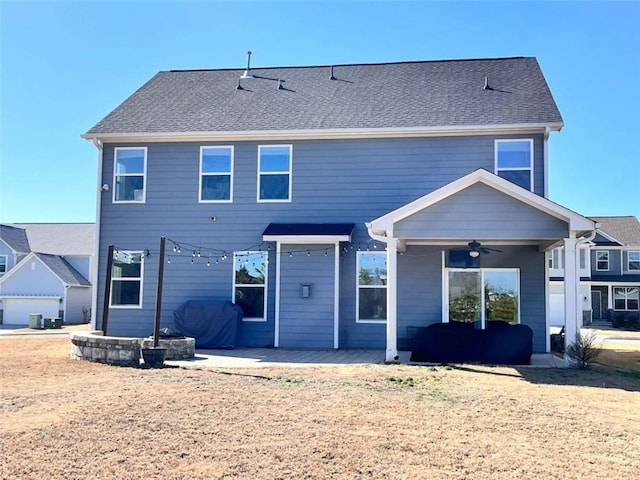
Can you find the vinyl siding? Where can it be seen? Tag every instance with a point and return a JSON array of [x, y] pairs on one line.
[[77, 299], [615, 265], [307, 322], [333, 181], [33, 278], [479, 211]]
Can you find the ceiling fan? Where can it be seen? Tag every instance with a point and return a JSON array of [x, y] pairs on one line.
[[475, 248]]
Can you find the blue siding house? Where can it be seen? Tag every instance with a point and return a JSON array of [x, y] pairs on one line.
[[609, 270], [340, 206]]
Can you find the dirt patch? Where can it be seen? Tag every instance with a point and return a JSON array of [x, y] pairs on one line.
[[66, 419]]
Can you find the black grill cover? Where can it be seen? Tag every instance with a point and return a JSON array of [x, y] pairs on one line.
[[214, 324]]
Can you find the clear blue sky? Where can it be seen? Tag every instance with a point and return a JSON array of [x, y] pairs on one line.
[[65, 65]]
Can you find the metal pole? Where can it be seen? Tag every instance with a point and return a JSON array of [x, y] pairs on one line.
[[107, 291], [156, 323]]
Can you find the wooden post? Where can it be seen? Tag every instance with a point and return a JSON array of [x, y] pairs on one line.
[[156, 323], [107, 291]]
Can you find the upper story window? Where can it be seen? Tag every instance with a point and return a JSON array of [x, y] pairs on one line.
[[602, 260], [633, 261], [216, 174], [250, 284], [514, 161], [372, 287], [3, 264], [129, 174], [274, 173], [126, 279]]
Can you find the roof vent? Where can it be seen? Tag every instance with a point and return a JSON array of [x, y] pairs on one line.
[[280, 84], [331, 77], [247, 72], [238, 86], [486, 84]]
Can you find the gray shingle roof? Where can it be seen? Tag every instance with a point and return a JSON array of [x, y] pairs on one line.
[[60, 238], [63, 269], [625, 229], [15, 238], [401, 95]]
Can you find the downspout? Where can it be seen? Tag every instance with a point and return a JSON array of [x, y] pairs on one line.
[[545, 160], [96, 255], [391, 354]]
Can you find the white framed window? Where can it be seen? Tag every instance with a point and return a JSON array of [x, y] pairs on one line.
[[3, 264], [250, 285], [371, 293], [626, 298], [602, 260], [514, 161], [483, 295], [583, 258], [274, 173], [633, 261], [129, 174], [126, 279], [216, 174], [556, 259]]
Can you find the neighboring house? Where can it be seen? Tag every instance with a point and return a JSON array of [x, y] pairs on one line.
[[335, 205], [609, 269], [48, 267]]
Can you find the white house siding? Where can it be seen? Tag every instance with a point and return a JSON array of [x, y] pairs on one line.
[[78, 302]]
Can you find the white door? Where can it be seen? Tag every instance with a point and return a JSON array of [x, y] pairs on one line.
[[17, 310]]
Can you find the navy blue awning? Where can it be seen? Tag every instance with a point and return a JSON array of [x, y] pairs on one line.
[[308, 232]]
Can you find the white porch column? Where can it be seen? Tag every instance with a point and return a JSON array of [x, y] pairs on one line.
[[609, 297], [392, 301], [571, 282]]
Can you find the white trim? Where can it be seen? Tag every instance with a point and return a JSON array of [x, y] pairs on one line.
[[496, 168], [599, 302], [328, 133], [629, 252], [445, 289], [610, 238], [336, 295], [547, 303], [140, 279], [545, 165], [482, 271], [18, 266], [276, 340], [265, 256], [358, 286], [116, 175], [576, 221], [306, 239], [608, 260], [26, 296], [96, 246], [626, 298], [288, 172], [229, 173]]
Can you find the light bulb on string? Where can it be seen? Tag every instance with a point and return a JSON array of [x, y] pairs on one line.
[[169, 260]]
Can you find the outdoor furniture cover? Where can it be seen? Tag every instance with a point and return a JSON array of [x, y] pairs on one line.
[[214, 324], [457, 342]]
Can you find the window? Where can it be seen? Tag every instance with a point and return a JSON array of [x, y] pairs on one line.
[[602, 260], [129, 171], [250, 284], [556, 258], [216, 174], [274, 173], [633, 261], [483, 295], [583, 258], [3, 264], [372, 287], [126, 279], [626, 298], [514, 161]]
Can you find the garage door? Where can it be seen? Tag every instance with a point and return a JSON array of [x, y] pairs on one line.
[[17, 310]]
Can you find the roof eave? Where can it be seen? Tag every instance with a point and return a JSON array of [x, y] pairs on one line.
[[329, 133]]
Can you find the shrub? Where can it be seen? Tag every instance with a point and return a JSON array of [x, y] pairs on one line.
[[584, 350]]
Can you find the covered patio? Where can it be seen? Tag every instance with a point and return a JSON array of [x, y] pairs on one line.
[[425, 237]]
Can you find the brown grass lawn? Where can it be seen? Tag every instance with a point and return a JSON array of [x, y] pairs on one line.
[[65, 419]]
